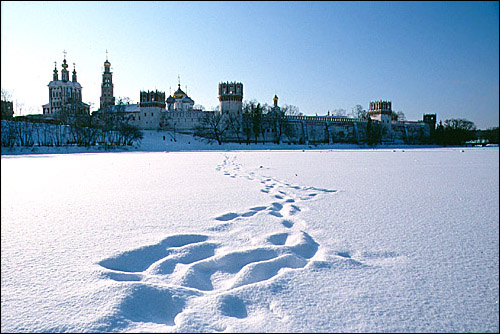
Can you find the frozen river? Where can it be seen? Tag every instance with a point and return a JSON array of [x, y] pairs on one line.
[[289, 241]]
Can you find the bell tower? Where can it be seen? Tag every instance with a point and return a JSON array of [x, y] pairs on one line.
[[107, 98]]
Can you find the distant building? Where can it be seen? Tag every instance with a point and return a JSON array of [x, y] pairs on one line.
[[7, 109], [430, 119], [65, 96]]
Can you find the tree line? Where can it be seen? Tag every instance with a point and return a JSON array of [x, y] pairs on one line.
[[459, 131], [107, 129]]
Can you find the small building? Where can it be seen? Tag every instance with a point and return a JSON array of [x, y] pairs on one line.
[[7, 109]]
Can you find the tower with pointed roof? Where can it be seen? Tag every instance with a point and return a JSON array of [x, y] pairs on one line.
[[275, 107], [65, 96], [107, 98]]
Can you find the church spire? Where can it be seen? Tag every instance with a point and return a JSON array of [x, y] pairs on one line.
[[107, 64]]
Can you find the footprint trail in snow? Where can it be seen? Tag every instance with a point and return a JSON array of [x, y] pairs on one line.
[[165, 278]]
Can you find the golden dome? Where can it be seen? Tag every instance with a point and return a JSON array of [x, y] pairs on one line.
[[179, 94]]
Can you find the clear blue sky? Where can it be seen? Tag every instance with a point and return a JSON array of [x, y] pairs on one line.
[[425, 57]]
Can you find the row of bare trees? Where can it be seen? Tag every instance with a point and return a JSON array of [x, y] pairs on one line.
[[78, 129], [251, 126]]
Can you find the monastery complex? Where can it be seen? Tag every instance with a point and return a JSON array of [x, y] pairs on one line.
[[177, 112]]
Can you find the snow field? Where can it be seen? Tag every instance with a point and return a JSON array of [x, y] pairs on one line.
[[330, 241]]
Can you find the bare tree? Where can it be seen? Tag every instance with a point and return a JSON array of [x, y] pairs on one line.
[[8, 133], [234, 123], [358, 112], [198, 107], [124, 100], [291, 110], [339, 112], [213, 126], [19, 108], [398, 116], [6, 95]]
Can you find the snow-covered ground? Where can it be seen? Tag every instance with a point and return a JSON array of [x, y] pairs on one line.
[[384, 240]]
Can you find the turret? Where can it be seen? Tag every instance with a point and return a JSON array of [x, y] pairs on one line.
[[231, 97], [74, 74], [55, 76], [381, 111]]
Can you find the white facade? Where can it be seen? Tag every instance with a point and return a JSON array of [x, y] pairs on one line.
[[147, 118], [184, 121], [180, 114], [65, 95], [231, 98]]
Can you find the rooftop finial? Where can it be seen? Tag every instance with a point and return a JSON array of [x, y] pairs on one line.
[[106, 54], [64, 54], [179, 79]]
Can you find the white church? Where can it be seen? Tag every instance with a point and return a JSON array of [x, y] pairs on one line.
[[65, 96]]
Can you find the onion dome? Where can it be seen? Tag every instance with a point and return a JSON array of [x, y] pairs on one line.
[[187, 99], [64, 65], [170, 99], [179, 94]]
